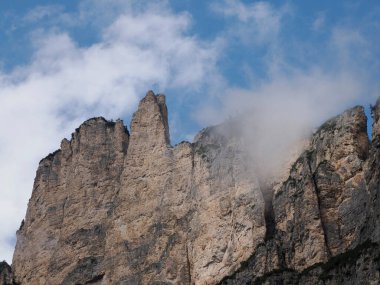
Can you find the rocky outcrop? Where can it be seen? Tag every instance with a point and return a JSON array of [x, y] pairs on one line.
[[318, 209], [360, 265], [372, 176], [6, 276], [69, 212], [322, 212], [111, 207]]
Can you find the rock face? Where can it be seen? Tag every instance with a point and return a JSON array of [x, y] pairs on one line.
[[176, 206], [111, 207], [322, 213], [68, 214], [6, 276]]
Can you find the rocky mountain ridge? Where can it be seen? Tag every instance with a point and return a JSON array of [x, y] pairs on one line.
[[113, 207]]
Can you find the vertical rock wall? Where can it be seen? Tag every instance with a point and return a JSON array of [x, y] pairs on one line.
[[114, 208], [326, 219], [109, 208], [69, 212]]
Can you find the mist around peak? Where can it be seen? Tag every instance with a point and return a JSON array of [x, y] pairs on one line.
[[278, 118]]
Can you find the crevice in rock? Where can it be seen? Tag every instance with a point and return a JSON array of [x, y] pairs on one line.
[[95, 279], [269, 217], [164, 116], [63, 213], [317, 192], [188, 264]]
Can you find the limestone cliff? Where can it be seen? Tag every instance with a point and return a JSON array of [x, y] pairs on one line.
[[323, 228], [113, 207]]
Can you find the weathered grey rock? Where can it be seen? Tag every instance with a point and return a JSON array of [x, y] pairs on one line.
[[194, 211], [321, 211], [6, 276], [228, 223], [148, 244], [372, 175], [72, 201], [356, 266]]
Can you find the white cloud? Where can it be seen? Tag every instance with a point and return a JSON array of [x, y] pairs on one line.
[[280, 113], [292, 100], [65, 83], [258, 22]]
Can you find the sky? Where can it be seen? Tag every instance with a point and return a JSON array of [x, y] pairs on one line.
[[291, 64]]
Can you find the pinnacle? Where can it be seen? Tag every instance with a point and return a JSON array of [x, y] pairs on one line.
[[150, 93], [150, 121]]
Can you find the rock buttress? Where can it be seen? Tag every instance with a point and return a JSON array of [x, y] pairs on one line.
[[319, 209], [184, 215], [372, 175], [228, 223], [147, 243], [68, 214], [320, 213]]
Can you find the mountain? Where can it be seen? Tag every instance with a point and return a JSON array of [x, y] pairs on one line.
[[113, 207]]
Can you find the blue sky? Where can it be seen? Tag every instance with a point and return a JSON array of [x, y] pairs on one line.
[[292, 64]]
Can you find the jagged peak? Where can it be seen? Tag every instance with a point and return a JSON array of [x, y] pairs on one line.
[[151, 117], [50, 156], [102, 120], [88, 123], [99, 121], [150, 96], [354, 113]]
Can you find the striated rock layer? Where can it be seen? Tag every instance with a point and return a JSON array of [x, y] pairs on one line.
[[111, 207]]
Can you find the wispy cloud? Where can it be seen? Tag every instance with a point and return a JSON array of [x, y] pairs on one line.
[[40, 12], [301, 89], [277, 115], [350, 44], [258, 22]]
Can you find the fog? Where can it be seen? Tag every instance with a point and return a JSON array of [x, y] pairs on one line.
[[277, 118]]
